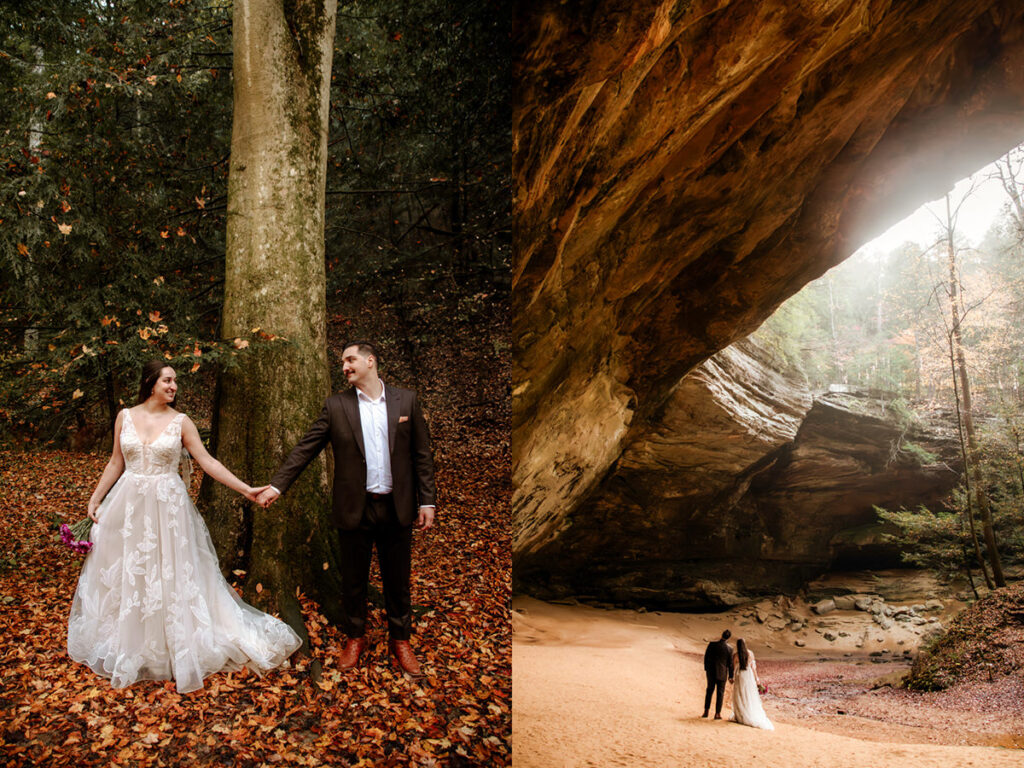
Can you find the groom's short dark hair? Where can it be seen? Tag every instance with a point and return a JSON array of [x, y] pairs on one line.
[[726, 635], [366, 348]]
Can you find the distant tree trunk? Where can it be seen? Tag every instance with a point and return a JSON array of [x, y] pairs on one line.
[[837, 367], [1008, 170], [968, 486], [275, 280], [967, 568], [1018, 460], [917, 366], [878, 305], [35, 139], [973, 459]]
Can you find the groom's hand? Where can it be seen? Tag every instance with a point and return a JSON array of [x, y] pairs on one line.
[[424, 519], [253, 494], [267, 497]]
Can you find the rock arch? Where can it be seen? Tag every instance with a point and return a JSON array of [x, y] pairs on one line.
[[685, 166]]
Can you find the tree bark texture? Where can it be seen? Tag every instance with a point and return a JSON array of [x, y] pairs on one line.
[[275, 280]]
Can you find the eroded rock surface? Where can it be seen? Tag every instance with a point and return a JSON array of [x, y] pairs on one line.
[[682, 168], [743, 486]]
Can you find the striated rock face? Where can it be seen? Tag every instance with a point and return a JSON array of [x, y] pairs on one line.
[[683, 166], [741, 487]]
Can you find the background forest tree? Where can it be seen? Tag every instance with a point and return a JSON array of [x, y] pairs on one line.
[[115, 143]]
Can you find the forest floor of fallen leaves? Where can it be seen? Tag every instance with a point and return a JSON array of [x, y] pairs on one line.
[[985, 641], [55, 712], [844, 696]]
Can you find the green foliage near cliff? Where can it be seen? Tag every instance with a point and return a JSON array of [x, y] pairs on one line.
[[936, 540], [939, 539]]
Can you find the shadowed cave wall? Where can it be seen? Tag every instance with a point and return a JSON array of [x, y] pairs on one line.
[[682, 168]]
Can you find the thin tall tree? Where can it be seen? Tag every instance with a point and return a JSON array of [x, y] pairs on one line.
[[964, 404]]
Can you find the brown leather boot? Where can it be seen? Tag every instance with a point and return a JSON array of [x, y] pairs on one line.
[[402, 653], [353, 650]]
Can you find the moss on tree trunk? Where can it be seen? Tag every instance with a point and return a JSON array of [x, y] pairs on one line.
[[275, 280]]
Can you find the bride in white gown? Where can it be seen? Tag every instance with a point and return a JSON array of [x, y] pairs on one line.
[[746, 701], [151, 602]]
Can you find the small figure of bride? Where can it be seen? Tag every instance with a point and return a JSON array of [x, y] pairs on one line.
[[746, 701], [151, 603]]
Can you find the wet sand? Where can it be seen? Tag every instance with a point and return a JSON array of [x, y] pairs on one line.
[[595, 687]]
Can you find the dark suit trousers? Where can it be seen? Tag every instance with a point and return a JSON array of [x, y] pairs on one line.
[[713, 683], [393, 540]]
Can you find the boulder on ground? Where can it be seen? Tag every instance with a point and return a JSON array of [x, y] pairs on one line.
[[845, 602], [824, 606]]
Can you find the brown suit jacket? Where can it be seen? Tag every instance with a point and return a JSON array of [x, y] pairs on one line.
[[412, 465]]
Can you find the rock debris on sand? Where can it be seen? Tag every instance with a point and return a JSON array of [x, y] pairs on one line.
[[602, 688]]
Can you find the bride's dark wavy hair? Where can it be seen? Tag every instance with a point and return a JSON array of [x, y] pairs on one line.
[[150, 375], [741, 651]]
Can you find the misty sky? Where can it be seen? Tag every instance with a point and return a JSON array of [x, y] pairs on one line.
[[976, 216]]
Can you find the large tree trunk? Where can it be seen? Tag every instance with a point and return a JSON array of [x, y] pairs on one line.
[[973, 457], [275, 280]]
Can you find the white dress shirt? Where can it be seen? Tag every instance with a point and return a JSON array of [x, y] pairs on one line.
[[373, 417]]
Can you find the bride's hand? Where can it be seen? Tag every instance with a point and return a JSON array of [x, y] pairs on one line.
[[93, 507], [251, 493]]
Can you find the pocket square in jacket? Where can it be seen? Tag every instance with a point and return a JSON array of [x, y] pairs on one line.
[[402, 418]]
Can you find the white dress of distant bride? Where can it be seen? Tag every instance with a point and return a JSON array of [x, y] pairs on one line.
[[151, 603], [746, 701]]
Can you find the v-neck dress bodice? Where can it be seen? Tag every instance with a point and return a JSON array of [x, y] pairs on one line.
[[158, 457]]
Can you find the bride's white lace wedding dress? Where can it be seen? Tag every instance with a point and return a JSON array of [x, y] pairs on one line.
[[151, 601], [746, 701]]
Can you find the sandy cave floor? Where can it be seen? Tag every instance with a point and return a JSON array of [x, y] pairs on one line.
[[596, 687]]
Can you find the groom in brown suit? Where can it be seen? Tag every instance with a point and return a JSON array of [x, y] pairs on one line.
[[383, 488]]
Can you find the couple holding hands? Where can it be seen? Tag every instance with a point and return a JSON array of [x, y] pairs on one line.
[[151, 602], [720, 661]]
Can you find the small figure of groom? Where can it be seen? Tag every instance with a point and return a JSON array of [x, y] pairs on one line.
[[383, 488], [718, 668]]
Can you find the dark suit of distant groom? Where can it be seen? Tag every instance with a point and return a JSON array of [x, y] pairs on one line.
[[717, 668], [383, 484]]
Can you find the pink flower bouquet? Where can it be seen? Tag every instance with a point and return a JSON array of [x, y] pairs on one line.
[[76, 537], [762, 689]]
